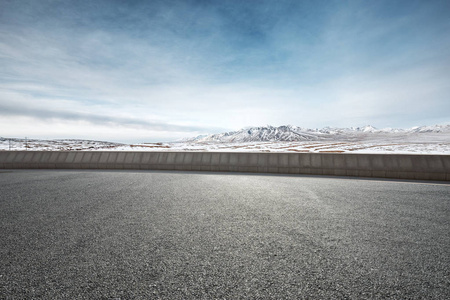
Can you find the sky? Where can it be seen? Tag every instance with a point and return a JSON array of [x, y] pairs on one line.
[[148, 71]]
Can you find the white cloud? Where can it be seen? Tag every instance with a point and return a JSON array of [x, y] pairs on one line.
[[161, 83]]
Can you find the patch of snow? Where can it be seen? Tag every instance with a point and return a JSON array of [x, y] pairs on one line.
[[417, 140]]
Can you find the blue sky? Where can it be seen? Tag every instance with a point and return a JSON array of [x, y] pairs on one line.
[[137, 71]]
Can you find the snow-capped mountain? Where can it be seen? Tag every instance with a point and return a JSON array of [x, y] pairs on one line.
[[266, 133], [367, 139], [289, 133]]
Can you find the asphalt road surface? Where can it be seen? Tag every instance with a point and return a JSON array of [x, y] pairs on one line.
[[182, 235]]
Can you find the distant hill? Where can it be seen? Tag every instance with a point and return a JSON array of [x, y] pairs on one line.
[[289, 133]]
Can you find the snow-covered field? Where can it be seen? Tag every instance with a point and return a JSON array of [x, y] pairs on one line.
[[441, 147], [417, 140]]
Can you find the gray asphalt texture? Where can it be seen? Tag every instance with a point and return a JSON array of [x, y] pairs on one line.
[[182, 235]]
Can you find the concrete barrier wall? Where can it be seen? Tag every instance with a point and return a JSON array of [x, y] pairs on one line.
[[423, 167]]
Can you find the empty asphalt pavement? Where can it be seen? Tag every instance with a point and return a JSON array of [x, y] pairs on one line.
[[182, 235]]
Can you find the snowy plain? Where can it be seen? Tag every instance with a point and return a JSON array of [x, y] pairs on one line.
[[318, 147], [417, 140]]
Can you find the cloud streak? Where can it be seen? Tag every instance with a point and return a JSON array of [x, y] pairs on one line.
[[45, 114]]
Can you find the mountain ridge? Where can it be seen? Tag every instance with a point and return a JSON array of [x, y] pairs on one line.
[[289, 133]]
